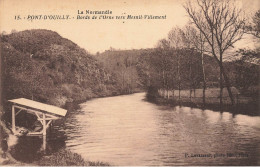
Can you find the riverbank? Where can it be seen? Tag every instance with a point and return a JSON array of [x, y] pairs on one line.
[[55, 158], [62, 157], [247, 109], [65, 157], [243, 105]]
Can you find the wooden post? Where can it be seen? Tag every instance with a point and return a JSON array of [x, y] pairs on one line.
[[44, 131], [13, 119], [44, 143]]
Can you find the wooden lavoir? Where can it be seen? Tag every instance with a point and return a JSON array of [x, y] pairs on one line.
[[45, 114]]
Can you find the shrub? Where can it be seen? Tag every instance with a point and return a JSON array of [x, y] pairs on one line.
[[67, 158], [152, 93]]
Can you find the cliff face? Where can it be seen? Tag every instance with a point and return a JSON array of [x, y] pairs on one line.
[[42, 65]]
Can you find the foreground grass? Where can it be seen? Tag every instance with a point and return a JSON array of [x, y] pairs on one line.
[[67, 158]]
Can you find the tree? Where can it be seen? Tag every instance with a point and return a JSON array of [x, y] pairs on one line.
[[254, 27], [163, 46], [1, 84], [198, 41], [163, 43], [221, 24], [3, 33], [187, 41], [175, 38]]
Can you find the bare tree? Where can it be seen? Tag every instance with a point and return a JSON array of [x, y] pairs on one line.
[[253, 28], [221, 24], [198, 41], [187, 36], [164, 44], [166, 66], [175, 38]]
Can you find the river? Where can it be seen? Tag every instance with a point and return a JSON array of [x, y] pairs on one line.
[[127, 130]]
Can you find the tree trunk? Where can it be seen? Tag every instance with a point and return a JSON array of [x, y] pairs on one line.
[[203, 69], [190, 94], [1, 85], [204, 79], [179, 77], [123, 85], [225, 78], [221, 89], [167, 85], [204, 94], [221, 80], [164, 89], [190, 79], [228, 85]]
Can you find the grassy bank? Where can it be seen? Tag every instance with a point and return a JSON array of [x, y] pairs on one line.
[[247, 109], [244, 105]]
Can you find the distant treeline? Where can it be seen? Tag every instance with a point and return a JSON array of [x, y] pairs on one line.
[[158, 67]]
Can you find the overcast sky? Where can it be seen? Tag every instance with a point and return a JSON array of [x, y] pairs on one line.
[[99, 35]]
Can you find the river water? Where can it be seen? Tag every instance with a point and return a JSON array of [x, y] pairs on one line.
[[127, 130]]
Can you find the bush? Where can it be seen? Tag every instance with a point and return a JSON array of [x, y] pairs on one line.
[[67, 158], [152, 94]]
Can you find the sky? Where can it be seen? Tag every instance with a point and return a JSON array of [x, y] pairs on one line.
[[97, 35]]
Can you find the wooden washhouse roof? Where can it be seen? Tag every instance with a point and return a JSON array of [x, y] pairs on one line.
[[40, 106]]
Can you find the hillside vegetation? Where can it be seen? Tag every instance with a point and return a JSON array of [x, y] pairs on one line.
[[42, 65], [124, 65]]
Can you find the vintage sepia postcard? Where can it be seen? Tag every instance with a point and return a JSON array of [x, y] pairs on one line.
[[129, 82]]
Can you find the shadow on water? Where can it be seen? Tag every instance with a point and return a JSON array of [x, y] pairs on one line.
[[29, 148]]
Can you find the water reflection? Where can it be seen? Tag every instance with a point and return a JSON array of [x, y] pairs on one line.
[[244, 120], [126, 130]]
